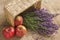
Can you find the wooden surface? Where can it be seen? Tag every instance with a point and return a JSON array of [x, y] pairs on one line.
[[52, 5]]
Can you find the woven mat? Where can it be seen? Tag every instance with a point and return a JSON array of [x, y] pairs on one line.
[[52, 5]]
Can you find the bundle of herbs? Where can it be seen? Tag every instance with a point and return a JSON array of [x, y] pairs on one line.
[[40, 21]]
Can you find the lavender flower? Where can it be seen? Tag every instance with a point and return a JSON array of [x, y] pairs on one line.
[[41, 21]]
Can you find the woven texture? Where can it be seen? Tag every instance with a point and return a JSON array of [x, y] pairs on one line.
[[52, 6]]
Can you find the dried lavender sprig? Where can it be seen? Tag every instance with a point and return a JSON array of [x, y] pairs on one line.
[[41, 21], [48, 25]]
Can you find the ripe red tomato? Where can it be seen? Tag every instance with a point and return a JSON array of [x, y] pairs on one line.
[[18, 20], [20, 30], [8, 32]]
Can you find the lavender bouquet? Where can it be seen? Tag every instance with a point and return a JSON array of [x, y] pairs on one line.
[[40, 21]]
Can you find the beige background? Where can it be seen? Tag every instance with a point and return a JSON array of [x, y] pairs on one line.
[[52, 5]]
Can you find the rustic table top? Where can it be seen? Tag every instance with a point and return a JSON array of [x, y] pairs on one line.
[[52, 5]]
